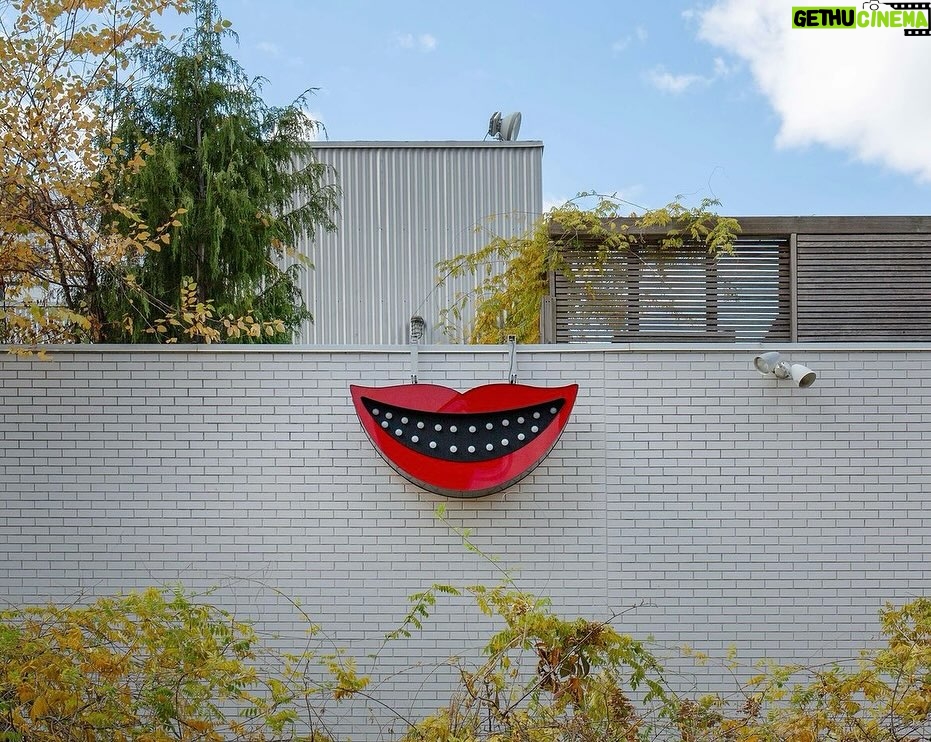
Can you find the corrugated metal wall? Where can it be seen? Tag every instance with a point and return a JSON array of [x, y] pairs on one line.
[[406, 206]]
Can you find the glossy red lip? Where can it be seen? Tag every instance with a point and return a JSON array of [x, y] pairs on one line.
[[464, 444]]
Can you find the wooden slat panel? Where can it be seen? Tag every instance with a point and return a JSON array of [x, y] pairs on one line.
[[655, 295], [864, 287]]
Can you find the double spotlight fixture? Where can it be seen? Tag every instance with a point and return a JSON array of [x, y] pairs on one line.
[[772, 364]]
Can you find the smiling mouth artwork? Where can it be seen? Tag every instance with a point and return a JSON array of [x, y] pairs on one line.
[[464, 444]]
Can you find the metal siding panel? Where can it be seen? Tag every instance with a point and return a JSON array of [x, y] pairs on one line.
[[404, 208]]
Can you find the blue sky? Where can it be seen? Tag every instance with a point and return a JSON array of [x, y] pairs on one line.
[[646, 99]]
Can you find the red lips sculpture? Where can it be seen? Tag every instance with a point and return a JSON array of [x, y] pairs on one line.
[[464, 444]]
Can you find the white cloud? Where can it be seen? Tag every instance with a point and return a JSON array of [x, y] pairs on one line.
[[863, 90], [640, 33], [722, 68], [424, 42], [667, 82], [273, 50]]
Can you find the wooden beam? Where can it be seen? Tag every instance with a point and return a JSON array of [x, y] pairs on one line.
[[786, 225]]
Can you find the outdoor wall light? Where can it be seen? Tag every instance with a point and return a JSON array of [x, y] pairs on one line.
[[418, 329], [772, 364]]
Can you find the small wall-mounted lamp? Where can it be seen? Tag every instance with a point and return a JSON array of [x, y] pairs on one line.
[[771, 364], [418, 329]]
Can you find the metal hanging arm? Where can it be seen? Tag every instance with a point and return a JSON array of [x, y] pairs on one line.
[[414, 348], [512, 352]]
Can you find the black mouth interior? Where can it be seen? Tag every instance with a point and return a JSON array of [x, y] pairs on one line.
[[464, 437]]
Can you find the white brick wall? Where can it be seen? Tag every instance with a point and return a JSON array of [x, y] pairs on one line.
[[739, 509]]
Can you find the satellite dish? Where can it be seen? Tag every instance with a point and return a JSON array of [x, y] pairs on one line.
[[510, 127], [504, 129]]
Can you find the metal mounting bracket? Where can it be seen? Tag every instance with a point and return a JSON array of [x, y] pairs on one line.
[[512, 353]]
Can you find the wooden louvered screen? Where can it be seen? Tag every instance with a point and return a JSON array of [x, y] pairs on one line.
[[864, 287], [655, 295]]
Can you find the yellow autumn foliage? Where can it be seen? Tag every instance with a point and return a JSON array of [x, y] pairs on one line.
[[512, 274], [163, 666], [153, 666]]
